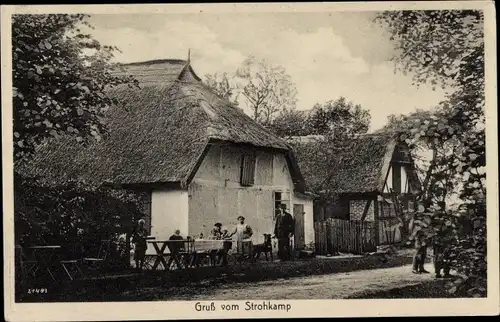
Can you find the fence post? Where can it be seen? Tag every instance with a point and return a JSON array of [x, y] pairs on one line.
[[338, 228], [345, 235], [325, 238], [376, 221], [356, 237], [332, 236]]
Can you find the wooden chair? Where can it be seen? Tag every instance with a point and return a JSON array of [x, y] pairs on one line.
[[202, 258], [179, 254], [71, 264], [187, 253], [28, 265], [100, 259], [149, 257]]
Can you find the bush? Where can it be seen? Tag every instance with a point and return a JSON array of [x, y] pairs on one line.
[[466, 243], [74, 218]]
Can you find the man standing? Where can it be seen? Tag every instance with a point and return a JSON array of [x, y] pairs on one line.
[[420, 253], [139, 239], [442, 243], [420, 241], [283, 230]]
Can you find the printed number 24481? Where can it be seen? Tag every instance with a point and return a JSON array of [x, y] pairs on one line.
[[37, 291]]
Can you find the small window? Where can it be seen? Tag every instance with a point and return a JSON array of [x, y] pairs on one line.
[[247, 170], [281, 198]]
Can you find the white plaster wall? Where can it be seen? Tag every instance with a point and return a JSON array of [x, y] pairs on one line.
[[388, 181], [404, 178], [281, 173], [215, 193], [169, 211]]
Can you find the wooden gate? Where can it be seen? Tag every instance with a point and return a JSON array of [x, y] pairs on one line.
[[338, 235]]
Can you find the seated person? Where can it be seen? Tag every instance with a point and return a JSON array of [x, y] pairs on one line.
[[176, 235], [175, 248], [216, 232]]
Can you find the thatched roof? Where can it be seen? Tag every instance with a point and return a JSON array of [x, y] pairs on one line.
[[158, 132], [360, 167]]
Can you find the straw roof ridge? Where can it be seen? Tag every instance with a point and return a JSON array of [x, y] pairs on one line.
[[157, 61]]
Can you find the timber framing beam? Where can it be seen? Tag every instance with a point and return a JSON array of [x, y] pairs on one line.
[[365, 211]]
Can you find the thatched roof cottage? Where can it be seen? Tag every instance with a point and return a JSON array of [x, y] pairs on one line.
[[365, 179], [200, 159]]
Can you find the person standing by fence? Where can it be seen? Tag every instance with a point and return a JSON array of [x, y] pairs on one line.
[[283, 230]]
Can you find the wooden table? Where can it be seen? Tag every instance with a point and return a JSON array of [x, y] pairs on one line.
[[213, 247], [189, 248], [47, 257], [180, 246]]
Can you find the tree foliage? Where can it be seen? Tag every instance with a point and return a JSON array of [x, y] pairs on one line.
[[335, 118], [223, 85], [69, 216], [60, 76], [446, 48], [266, 88], [290, 122], [331, 127], [60, 80], [338, 118]]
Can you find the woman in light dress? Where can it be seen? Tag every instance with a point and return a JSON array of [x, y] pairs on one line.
[[243, 234]]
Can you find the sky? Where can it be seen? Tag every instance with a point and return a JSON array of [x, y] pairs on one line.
[[327, 55]]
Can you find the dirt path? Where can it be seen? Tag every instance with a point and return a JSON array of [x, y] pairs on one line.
[[332, 286]]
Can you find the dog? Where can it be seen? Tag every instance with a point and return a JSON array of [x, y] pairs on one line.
[[266, 247]]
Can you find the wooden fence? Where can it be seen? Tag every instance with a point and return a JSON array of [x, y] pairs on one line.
[[338, 235]]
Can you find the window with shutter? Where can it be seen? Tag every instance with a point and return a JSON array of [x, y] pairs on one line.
[[247, 169]]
